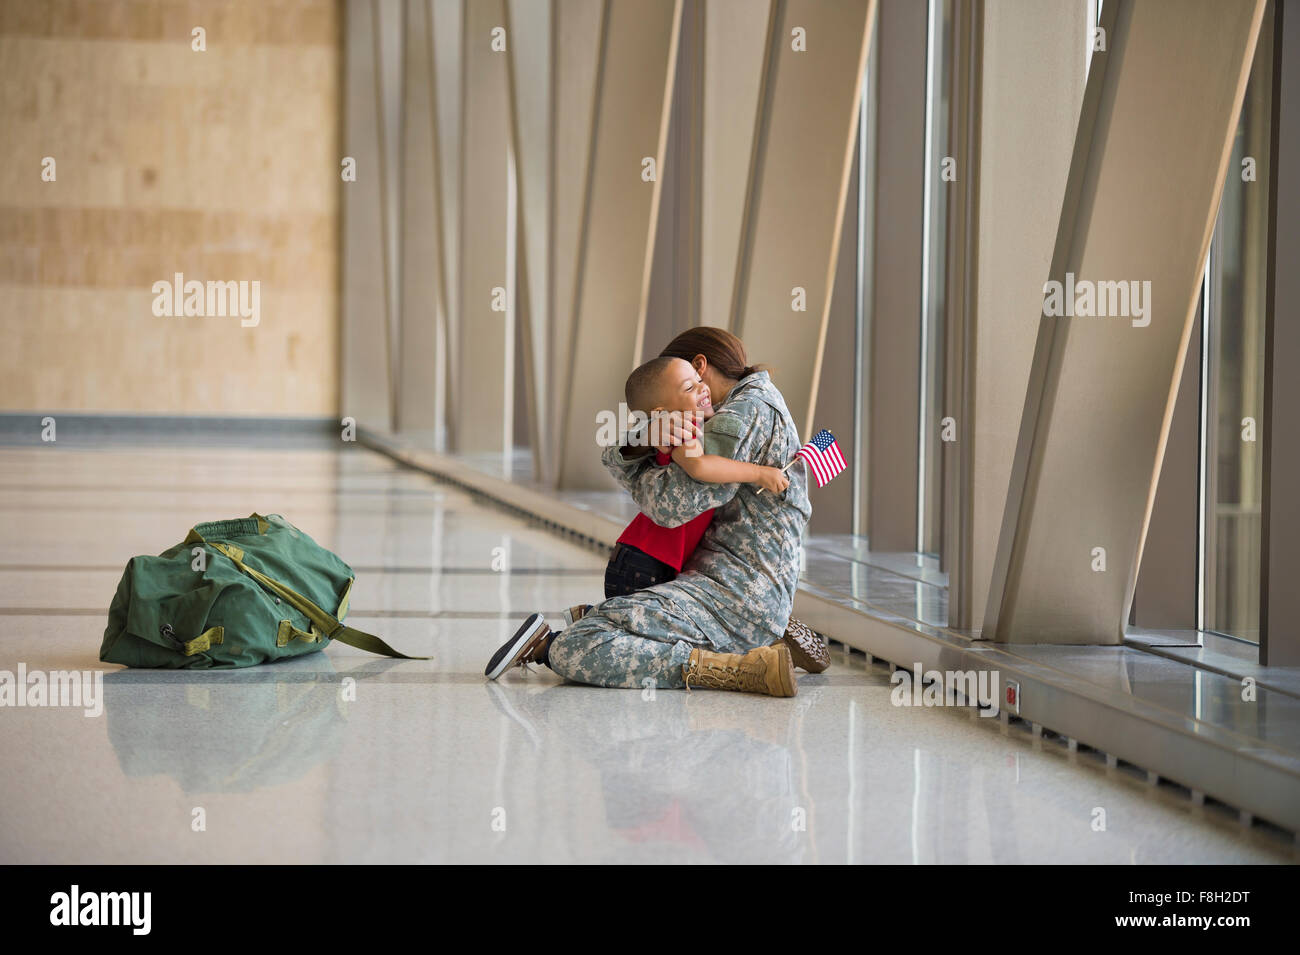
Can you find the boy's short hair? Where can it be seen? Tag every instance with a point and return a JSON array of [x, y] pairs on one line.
[[642, 388]]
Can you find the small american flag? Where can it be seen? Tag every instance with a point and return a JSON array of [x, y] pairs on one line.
[[823, 457]]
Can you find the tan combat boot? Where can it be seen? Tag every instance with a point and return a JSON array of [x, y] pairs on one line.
[[767, 670]]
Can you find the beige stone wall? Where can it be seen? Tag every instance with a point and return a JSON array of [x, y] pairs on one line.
[[222, 165]]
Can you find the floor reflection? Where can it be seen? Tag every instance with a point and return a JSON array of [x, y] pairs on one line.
[[231, 731], [677, 771]]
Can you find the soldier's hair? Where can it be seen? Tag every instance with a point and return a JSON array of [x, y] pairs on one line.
[[644, 385], [724, 351]]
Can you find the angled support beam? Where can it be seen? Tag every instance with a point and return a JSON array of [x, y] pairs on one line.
[[735, 47], [673, 302], [446, 17], [798, 187], [575, 39], [1154, 139], [638, 49], [422, 360], [483, 415], [529, 25], [1018, 73], [367, 387]]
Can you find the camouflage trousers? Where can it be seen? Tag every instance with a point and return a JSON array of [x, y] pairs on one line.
[[645, 636]]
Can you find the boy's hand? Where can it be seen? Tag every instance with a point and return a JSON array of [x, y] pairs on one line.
[[673, 428], [772, 479]]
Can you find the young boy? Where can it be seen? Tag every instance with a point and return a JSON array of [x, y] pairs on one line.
[[647, 554]]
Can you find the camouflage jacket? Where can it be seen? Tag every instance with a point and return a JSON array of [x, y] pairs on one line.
[[744, 572]]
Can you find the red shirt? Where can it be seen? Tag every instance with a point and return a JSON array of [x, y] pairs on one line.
[[672, 545]]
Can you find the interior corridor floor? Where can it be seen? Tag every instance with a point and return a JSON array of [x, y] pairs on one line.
[[425, 761]]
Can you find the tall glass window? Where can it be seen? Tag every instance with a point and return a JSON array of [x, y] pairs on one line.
[[1233, 368]]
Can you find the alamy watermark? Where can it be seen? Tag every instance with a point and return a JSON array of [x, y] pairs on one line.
[[74, 688], [939, 688], [181, 299], [1088, 299], [75, 907], [636, 429]]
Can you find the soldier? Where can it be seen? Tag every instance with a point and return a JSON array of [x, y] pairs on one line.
[[720, 623]]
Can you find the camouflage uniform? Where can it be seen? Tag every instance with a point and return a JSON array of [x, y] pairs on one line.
[[736, 591]]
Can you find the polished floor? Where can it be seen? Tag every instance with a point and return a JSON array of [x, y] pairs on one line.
[[344, 757]]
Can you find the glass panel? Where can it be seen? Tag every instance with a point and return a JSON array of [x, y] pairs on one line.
[[866, 199], [1235, 370], [933, 275]]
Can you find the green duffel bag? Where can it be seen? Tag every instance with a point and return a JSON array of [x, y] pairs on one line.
[[233, 594]]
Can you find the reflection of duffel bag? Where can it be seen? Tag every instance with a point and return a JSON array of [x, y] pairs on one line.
[[275, 726], [232, 594]]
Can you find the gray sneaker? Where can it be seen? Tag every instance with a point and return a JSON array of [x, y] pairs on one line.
[[528, 645]]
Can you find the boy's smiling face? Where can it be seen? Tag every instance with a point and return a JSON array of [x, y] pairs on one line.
[[680, 389]]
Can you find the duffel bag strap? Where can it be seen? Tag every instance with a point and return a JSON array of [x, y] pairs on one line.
[[367, 641], [326, 622]]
